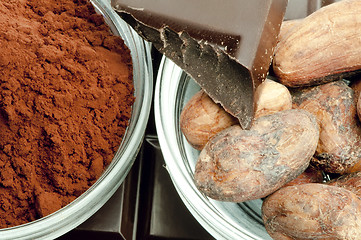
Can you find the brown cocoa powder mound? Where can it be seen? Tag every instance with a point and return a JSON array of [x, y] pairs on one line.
[[66, 93]]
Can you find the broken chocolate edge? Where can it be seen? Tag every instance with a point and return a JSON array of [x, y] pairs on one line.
[[204, 62]]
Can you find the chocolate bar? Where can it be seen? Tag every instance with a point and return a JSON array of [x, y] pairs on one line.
[[225, 46]]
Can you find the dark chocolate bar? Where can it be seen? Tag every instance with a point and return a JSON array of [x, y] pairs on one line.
[[226, 46]]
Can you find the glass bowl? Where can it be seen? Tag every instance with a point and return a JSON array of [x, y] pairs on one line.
[[75, 213], [223, 220], [174, 88]]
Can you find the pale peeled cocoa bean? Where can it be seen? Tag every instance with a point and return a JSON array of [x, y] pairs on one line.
[[271, 97], [323, 47], [339, 147], [202, 118], [238, 165], [312, 211]]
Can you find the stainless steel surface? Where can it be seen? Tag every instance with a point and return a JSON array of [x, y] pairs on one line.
[[169, 217]]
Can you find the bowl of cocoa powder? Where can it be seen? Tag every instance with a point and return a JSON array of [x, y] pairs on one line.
[[76, 89]]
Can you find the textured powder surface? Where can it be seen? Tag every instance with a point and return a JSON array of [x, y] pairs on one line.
[[66, 93]]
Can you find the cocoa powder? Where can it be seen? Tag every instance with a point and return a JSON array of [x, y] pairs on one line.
[[66, 93]]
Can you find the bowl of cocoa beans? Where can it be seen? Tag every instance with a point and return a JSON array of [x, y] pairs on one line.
[[76, 90], [295, 174]]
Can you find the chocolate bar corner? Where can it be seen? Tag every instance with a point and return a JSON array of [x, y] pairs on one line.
[[225, 46]]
